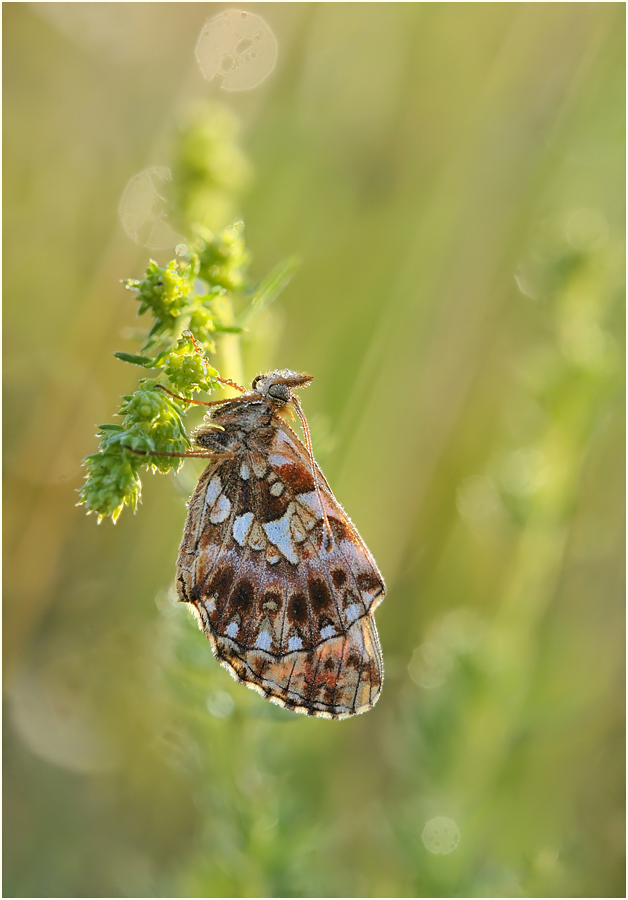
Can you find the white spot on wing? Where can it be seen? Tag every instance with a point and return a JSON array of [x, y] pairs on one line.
[[353, 611], [221, 509], [213, 490], [264, 641], [276, 489], [328, 631], [278, 459], [259, 466], [283, 438], [245, 471], [310, 499], [295, 643], [278, 533], [241, 527], [211, 605], [232, 629]]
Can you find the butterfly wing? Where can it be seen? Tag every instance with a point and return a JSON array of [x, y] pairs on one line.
[[286, 614]]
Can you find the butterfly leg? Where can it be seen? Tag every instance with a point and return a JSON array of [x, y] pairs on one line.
[[204, 402], [198, 349], [189, 454]]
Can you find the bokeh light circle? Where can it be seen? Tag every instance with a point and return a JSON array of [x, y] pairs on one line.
[[144, 209], [441, 835], [239, 48]]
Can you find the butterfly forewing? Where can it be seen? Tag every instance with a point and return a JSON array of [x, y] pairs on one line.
[[287, 611]]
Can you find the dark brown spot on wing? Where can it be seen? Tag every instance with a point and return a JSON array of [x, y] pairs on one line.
[[267, 507], [328, 694], [369, 582], [244, 491], [220, 583], [297, 609], [320, 595], [339, 577], [338, 529], [242, 598]]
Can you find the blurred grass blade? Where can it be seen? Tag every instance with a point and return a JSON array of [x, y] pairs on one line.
[[271, 287]]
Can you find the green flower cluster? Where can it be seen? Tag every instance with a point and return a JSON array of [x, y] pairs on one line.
[[180, 297], [167, 292], [210, 172], [152, 422], [202, 322], [187, 370], [152, 425], [164, 289], [223, 257], [112, 481], [190, 300]]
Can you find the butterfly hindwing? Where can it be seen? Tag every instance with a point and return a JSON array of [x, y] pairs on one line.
[[286, 611]]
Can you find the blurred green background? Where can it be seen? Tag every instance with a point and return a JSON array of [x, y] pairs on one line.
[[452, 176]]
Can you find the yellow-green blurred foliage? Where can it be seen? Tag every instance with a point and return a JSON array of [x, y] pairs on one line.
[[452, 177]]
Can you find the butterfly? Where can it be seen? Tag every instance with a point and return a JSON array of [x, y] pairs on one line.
[[271, 565]]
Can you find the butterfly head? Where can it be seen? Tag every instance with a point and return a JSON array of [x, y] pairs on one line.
[[277, 386]]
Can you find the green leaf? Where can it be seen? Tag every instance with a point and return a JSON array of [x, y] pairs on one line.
[[148, 362]]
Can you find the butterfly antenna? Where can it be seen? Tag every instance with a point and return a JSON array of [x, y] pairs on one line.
[[310, 453]]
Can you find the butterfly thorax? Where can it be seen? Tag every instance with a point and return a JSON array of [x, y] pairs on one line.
[[244, 423], [235, 427]]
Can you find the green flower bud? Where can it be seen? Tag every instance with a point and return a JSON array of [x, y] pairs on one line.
[[202, 325], [145, 406], [187, 370], [223, 257], [165, 289], [112, 482]]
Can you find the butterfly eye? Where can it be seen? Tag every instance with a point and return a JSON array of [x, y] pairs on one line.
[[279, 392]]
